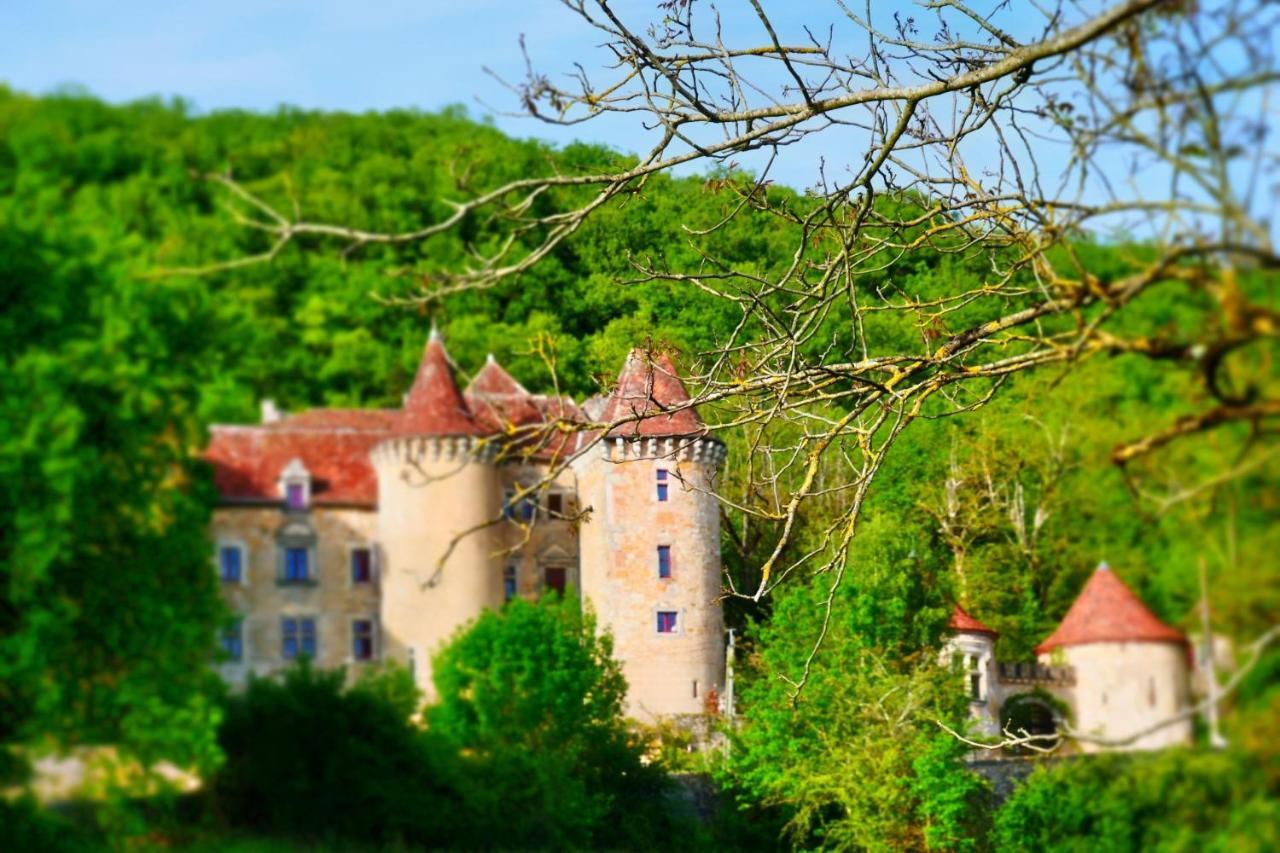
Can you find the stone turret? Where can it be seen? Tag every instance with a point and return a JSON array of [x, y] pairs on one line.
[[975, 643], [1131, 669], [434, 483], [650, 551]]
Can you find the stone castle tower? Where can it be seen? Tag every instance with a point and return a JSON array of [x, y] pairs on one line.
[[651, 552], [359, 536]]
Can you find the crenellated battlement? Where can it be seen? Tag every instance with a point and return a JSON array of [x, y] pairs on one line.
[[681, 449], [411, 449]]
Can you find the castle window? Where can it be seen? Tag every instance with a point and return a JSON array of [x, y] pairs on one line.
[[230, 563], [555, 505], [664, 561], [555, 577], [662, 485], [362, 639], [666, 621], [509, 582], [522, 509], [297, 565], [298, 637], [232, 641], [295, 484], [975, 678], [361, 565]]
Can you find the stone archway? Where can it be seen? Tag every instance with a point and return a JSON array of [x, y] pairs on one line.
[[1033, 713]]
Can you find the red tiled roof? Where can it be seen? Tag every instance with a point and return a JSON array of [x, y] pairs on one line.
[[333, 444], [649, 386], [492, 380], [434, 405], [1107, 611], [962, 621]]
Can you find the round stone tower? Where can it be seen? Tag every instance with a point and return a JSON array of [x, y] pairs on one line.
[[650, 550], [434, 483], [975, 643], [1131, 669]]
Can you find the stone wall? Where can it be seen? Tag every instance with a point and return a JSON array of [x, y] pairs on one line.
[[263, 599]]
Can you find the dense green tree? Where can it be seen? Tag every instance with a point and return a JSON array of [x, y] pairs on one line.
[[532, 699], [845, 742], [108, 606], [307, 759]]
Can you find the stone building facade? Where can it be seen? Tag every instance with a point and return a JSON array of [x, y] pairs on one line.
[[362, 536], [1111, 670]]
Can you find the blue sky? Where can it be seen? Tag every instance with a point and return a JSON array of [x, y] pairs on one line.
[[361, 55], [340, 54]]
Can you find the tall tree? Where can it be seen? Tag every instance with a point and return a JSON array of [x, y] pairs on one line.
[[108, 603]]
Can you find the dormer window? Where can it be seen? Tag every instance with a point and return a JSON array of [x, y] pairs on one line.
[[295, 485]]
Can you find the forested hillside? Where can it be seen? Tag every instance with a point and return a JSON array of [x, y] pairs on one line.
[[116, 360]]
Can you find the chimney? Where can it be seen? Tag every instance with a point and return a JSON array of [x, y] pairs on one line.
[[270, 414]]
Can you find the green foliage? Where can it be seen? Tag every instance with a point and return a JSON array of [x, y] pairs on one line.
[[1177, 799], [532, 700], [856, 759], [107, 602], [27, 827], [306, 759]]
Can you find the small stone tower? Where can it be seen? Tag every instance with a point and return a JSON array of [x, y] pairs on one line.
[[650, 550], [1131, 669], [975, 643], [434, 482]]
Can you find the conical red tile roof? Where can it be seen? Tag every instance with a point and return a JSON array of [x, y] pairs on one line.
[[434, 405], [1107, 611], [494, 381], [649, 386], [962, 621]]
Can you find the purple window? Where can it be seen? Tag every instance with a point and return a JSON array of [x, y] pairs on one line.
[[662, 485], [361, 565], [666, 621], [664, 561], [362, 639], [295, 496]]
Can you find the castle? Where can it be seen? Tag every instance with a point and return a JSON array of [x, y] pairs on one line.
[[358, 536], [1111, 670]]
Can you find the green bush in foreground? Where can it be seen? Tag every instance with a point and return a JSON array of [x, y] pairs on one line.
[[1178, 799], [532, 699], [306, 759]]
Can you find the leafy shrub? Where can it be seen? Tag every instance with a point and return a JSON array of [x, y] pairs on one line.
[[25, 826], [533, 701], [304, 758], [1177, 799]]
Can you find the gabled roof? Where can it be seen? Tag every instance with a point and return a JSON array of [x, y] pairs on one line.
[[1107, 611], [434, 405], [332, 444], [962, 622], [650, 387]]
